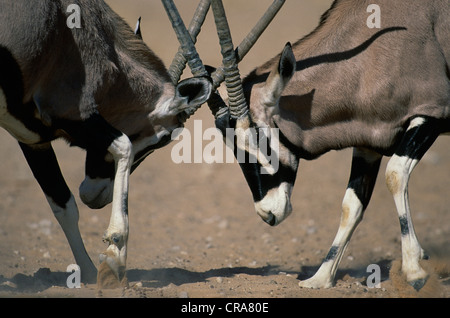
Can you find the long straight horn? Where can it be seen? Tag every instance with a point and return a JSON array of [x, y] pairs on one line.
[[249, 41], [237, 104], [188, 52], [187, 44], [179, 62]]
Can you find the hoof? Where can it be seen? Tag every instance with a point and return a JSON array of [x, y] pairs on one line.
[[418, 283], [313, 283], [110, 274]]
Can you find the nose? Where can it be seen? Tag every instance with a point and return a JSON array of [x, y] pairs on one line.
[[275, 207], [269, 218]]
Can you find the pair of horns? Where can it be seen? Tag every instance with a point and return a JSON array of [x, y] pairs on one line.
[[229, 71]]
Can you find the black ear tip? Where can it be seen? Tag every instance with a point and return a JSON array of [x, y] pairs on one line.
[[137, 30], [287, 61], [288, 49]]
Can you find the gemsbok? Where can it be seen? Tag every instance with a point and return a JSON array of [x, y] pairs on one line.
[[382, 89], [99, 87], [96, 84]]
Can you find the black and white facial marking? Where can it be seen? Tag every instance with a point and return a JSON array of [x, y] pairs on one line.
[[271, 188]]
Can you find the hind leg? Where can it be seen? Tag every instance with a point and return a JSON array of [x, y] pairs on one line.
[[365, 167], [45, 168], [419, 137]]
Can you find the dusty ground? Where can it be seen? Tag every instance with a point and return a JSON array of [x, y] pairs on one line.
[[194, 232]]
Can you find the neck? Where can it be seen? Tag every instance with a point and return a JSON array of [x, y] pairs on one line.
[[142, 79]]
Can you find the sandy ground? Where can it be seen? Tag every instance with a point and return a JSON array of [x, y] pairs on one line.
[[193, 229]]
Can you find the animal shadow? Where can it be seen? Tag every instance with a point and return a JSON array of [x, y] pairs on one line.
[[161, 277], [38, 282]]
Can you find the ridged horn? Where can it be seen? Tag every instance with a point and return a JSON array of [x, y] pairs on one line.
[[237, 104], [187, 44], [179, 62], [249, 41], [187, 51]]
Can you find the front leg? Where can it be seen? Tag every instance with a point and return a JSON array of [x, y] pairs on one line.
[[365, 167], [98, 136], [115, 257]]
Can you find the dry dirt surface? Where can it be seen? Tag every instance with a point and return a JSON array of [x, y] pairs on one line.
[[193, 229]]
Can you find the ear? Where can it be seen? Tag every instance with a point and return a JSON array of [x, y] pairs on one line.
[[280, 76], [193, 92], [137, 30]]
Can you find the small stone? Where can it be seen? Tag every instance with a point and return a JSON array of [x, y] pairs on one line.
[[183, 294]]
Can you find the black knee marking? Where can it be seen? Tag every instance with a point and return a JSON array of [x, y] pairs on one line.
[[415, 143]]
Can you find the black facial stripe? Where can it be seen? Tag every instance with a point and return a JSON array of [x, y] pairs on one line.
[[260, 184]]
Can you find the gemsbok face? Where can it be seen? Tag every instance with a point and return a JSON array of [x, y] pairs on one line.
[[271, 190], [271, 184], [271, 180]]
